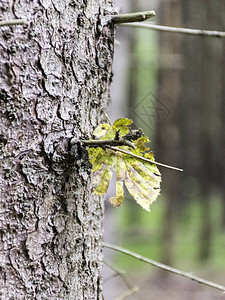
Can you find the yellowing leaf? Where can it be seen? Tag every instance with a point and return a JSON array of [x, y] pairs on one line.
[[110, 134], [98, 157], [120, 175], [122, 122], [139, 194], [101, 130], [121, 125], [101, 180], [140, 144], [152, 167], [145, 188], [106, 131], [141, 178], [118, 199], [147, 173]]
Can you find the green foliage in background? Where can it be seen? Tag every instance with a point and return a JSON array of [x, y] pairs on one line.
[[144, 235]]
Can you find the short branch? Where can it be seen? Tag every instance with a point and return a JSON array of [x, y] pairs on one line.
[[122, 142], [165, 267], [122, 274], [178, 30], [12, 22], [133, 17], [100, 143]]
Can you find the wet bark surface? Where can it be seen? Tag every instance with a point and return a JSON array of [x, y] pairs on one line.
[[55, 75]]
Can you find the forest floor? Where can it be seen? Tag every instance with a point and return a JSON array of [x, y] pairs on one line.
[[174, 288], [159, 286]]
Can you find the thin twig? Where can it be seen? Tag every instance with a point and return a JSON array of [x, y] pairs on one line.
[[126, 294], [122, 274], [165, 267], [107, 117], [143, 158], [111, 277], [12, 22], [220, 34], [133, 17], [109, 142]]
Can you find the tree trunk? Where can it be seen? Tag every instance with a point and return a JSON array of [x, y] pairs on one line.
[[202, 97], [168, 134], [55, 75]]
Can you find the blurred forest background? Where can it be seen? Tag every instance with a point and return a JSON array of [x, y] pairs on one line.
[[173, 87]]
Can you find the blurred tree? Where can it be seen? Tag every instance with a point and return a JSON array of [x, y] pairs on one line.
[[222, 145], [132, 90], [201, 101], [191, 80], [168, 133], [132, 79]]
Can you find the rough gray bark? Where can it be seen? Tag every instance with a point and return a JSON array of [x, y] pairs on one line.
[[55, 75]]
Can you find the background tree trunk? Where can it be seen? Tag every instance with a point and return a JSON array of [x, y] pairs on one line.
[[55, 75], [202, 100], [190, 78], [168, 135]]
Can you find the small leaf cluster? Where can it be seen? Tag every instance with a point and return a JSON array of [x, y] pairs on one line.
[[142, 179]]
